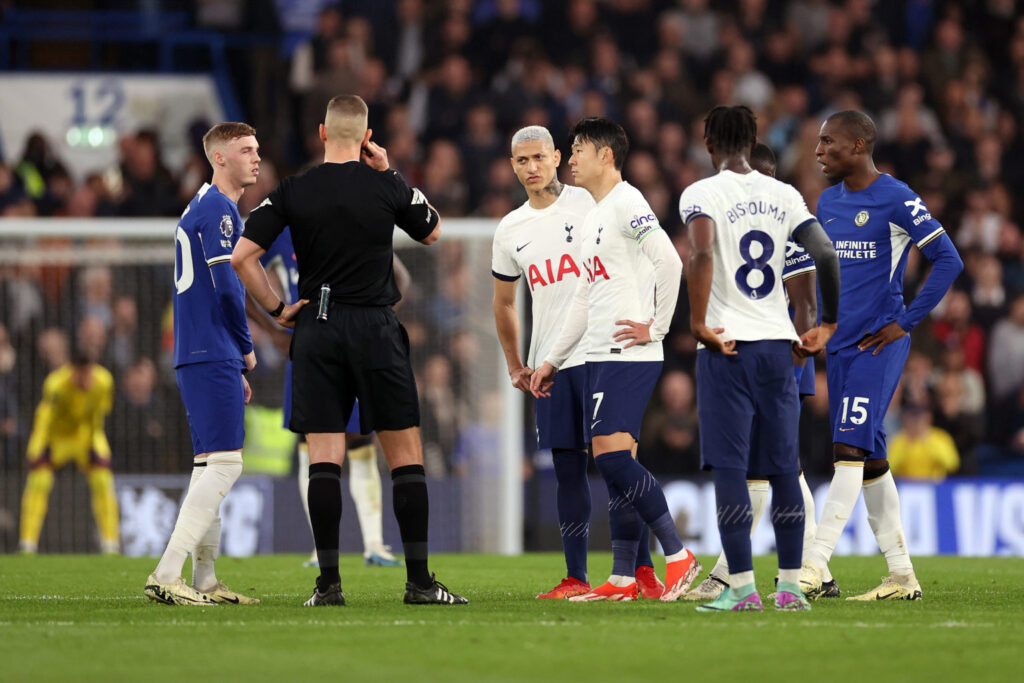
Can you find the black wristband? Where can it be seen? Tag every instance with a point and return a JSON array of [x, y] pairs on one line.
[[276, 313]]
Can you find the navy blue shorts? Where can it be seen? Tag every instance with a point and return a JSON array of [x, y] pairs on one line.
[[561, 416], [353, 422], [617, 396], [748, 409], [806, 385], [214, 399], [860, 387]]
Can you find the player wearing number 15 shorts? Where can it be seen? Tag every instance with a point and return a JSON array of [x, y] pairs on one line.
[[873, 219]]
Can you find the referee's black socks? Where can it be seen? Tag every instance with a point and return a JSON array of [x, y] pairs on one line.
[[412, 509], [325, 518]]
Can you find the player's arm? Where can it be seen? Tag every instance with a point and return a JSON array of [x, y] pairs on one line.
[[40, 437], [573, 328], [506, 320], [668, 273], [812, 237], [258, 316], [413, 213], [700, 269], [934, 243], [802, 290]]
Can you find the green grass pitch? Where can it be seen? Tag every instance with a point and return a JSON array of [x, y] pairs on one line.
[[84, 618]]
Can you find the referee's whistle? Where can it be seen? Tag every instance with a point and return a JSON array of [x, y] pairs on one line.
[[325, 299]]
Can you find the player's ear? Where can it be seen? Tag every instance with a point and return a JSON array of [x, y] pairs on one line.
[[557, 156], [323, 133], [366, 137]]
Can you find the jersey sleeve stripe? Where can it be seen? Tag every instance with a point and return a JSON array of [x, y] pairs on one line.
[[931, 236], [695, 215], [506, 278], [799, 271], [218, 259]]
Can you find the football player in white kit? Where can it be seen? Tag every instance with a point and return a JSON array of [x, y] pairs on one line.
[[540, 240], [739, 222], [620, 312]]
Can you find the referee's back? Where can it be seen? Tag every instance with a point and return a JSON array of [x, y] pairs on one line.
[[342, 218]]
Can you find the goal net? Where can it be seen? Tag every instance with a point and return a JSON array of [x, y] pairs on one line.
[[106, 283]]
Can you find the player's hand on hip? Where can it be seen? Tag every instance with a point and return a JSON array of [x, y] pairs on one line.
[[885, 336], [709, 338], [814, 340], [248, 390], [287, 317], [635, 333], [250, 360], [542, 379], [521, 378], [372, 154]]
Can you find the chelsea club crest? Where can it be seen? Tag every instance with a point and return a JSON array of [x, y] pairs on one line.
[[861, 218]]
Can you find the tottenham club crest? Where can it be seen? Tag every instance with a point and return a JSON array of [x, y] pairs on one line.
[[568, 232], [861, 218], [226, 226]]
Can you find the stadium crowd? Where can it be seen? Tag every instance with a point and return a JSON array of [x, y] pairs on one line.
[[447, 83]]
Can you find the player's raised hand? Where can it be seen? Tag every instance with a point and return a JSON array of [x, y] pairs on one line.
[[814, 340], [885, 336], [542, 379], [248, 390], [250, 360], [636, 333], [287, 317], [709, 338], [372, 154], [521, 378]]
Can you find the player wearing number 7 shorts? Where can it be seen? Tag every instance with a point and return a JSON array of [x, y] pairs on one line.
[[873, 219]]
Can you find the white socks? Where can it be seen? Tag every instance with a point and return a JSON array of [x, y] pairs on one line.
[[883, 504], [365, 487], [842, 496], [621, 581], [759, 489], [198, 511], [810, 525], [203, 575]]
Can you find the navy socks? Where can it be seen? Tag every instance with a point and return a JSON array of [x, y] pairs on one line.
[[573, 499]]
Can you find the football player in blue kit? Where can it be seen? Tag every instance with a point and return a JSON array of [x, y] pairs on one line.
[[364, 476], [739, 222], [801, 283], [212, 351], [873, 219]]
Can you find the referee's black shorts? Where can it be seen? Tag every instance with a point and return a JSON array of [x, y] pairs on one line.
[[358, 352]]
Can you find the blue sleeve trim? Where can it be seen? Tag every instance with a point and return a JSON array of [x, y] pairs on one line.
[[505, 278], [695, 215], [800, 227]]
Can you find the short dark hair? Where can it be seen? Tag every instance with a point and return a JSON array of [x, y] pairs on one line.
[[602, 132], [730, 129], [762, 155], [857, 124]]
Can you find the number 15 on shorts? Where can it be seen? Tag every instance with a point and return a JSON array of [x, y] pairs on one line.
[[857, 408]]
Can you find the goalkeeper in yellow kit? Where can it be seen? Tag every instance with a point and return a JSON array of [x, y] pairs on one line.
[[69, 428]]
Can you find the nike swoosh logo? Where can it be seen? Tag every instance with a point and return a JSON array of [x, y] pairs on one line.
[[829, 221], [846, 429], [595, 424], [886, 596], [233, 601], [841, 519], [518, 249]]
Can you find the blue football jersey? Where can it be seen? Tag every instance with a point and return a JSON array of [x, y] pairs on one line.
[[279, 261], [207, 326], [872, 230]]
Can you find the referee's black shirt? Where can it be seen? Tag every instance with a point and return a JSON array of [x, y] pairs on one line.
[[343, 218]]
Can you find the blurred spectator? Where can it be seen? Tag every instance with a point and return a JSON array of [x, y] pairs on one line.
[[955, 329], [441, 415], [1006, 355], [988, 296], [137, 422], [921, 451], [149, 187], [670, 443]]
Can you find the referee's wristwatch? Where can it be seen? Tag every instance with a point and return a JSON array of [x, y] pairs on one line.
[[276, 313]]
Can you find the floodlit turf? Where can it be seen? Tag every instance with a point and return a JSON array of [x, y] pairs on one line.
[[85, 618]]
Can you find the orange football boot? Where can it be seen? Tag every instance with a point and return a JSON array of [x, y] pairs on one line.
[[569, 587]]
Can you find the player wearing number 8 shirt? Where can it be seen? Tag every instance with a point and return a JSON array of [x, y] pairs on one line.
[[540, 241], [739, 222], [620, 313], [873, 219]]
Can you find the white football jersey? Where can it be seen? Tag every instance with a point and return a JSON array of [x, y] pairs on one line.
[[620, 274], [544, 246], [754, 216]]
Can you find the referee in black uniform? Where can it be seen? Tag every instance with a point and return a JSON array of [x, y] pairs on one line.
[[348, 344]]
